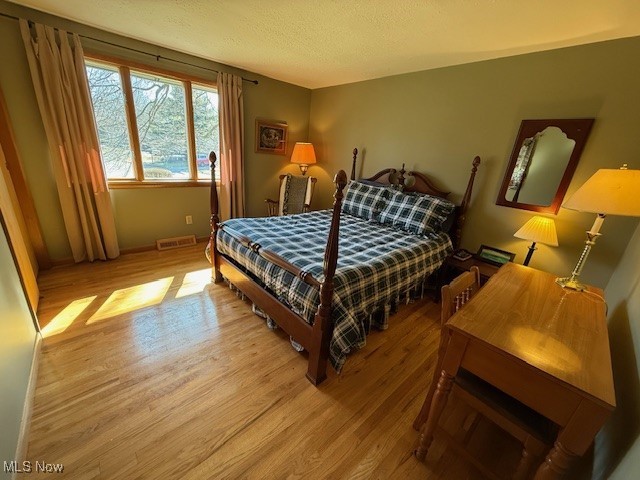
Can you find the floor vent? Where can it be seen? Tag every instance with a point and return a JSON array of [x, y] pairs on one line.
[[175, 242]]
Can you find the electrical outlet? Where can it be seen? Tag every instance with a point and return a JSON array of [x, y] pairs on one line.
[[188, 219]]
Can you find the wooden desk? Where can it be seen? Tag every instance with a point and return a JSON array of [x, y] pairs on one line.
[[543, 345]]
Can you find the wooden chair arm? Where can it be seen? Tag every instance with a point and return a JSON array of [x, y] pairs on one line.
[[306, 208]]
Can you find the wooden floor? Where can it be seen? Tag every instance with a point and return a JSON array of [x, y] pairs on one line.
[[150, 371]]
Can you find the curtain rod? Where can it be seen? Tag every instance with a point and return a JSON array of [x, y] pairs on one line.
[[157, 57]]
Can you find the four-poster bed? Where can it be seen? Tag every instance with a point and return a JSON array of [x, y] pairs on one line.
[[312, 293]]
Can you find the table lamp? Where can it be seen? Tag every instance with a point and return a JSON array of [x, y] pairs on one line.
[[607, 192], [303, 155], [538, 230]]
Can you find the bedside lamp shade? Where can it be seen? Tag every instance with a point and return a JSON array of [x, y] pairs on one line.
[[607, 192], [303, 155], [538, 230]]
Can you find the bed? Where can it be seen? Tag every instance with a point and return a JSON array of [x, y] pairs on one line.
[[290, 269]]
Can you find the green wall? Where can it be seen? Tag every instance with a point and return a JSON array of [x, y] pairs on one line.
[[436, 121], [142, 215], [17, 340], [619, 442]]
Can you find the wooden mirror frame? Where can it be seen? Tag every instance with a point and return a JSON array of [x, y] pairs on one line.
[[576, 129]]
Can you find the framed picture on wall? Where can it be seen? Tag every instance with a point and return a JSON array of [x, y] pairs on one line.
[[271, 137]]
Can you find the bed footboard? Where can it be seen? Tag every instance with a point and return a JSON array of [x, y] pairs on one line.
[[315, 339]]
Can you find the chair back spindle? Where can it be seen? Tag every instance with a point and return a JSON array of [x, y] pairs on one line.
[[458, 293]]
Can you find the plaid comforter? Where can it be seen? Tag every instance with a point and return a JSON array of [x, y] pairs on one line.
[[377, 265]]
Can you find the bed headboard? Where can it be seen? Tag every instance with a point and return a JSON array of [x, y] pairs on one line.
[[421, 183]]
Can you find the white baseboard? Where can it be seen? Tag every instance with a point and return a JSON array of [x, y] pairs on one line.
[[23, 437]]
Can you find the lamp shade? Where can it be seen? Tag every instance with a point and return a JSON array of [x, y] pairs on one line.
[[539, 230], [303, 154], [609, 192]]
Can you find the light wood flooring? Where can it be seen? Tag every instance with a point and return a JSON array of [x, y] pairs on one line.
[[150, 371]]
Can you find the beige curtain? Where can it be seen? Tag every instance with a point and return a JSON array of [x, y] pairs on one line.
[[231, 118], [61, 87]]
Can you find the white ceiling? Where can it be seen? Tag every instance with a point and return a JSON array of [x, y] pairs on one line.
[[329, 42]]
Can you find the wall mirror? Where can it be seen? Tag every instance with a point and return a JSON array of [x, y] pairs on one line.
[[544, 157]]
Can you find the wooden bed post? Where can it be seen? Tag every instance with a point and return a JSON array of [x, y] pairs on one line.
[[462, 212], [322, 326], [353, 164], [215, 219]]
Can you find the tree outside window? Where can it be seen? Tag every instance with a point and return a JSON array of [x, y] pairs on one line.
[[151, 141]]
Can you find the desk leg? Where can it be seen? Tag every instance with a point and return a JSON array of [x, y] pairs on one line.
[[426, 406], [437, 406], [573, 440], [557, 463]]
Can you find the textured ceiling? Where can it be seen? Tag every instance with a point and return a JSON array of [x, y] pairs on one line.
[[329, 42]]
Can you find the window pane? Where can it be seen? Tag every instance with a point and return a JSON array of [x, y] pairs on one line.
[[108, 107], [205, 122], [162, 129]]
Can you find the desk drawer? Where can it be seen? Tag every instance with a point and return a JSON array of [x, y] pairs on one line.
[[549, 397]]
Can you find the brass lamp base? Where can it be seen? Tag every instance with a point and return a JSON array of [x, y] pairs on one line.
[[571, 283]]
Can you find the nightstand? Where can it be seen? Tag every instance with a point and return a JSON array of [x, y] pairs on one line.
[[453, 267]]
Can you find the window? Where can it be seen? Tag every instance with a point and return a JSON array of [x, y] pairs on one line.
[[108, 108], [153, 127], [205, 124]]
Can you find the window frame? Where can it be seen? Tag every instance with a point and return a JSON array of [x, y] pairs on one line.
[[124, 68]]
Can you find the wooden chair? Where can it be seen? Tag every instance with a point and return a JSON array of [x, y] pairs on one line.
[[296, 192], [535, 432], [453, 297]]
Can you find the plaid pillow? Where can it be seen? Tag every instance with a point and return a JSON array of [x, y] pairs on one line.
[[364, 201], [419, 214], [392, 186]]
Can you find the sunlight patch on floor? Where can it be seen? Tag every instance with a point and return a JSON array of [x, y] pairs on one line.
[[66, 317], [194, 282], [132, 298]]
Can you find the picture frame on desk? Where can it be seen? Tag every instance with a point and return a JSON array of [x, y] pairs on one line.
[[494, 256]]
